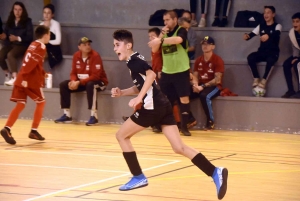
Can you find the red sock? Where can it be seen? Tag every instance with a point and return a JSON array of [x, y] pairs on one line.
[[15, 114], [38, 114]]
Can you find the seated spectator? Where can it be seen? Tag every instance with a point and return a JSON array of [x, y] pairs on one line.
[[268, 50], [17, 36], [87, 75], [225, 11], [184, 22], [207, 81], [193, 8], [53, 47], [294, 60]]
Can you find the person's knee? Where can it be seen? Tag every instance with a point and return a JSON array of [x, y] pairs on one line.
[[251, 58], [90, 85], [120, 136], [64, 84], [179, 149]]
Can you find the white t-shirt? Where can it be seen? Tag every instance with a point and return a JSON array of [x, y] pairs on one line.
[[55, 29]]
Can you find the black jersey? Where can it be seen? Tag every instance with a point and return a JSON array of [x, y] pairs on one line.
[[154, 98], [273, 31]]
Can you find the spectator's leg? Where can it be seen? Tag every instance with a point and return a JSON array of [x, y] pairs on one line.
[[217, 13], [205, 97], [287, 67], [253, 58], [296, 66], [271, 59], [225, 13], [193, 8], [17, 52], [3, 55], [65, 97], [202, 22]]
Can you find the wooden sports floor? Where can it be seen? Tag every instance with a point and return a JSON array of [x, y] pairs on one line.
[[80, 163]]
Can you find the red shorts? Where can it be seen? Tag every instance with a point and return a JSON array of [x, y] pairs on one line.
[[21, 93]]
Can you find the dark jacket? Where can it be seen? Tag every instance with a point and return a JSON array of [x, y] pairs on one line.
[[25, 33], [1, 30]]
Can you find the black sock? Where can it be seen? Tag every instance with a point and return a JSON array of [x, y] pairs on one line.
[[7, 128], [184, 111], [203, 164], [133, 163]]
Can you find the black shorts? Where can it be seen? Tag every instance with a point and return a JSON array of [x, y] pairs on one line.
[[177, 84], [158, 116]]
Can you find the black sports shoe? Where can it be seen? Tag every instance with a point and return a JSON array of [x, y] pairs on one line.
[[35, 135], [288, 94], [209, 125], [6, 134], [156, 129], [124, 118], [216, 22], [185, 132], [223, 22], [296, 95]]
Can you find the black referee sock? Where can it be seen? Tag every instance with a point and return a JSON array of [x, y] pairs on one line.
[[133, 163], [203, 164]]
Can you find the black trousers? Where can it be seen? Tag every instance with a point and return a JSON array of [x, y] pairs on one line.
[[193, 6], [91, 89], [205, 97], [225, 8], [255, 57], [287, 67]]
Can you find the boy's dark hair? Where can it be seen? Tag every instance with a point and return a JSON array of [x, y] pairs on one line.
[[51, 7], [40, 31], [123, 35], [272, 8], [172, 14], [296, 15], [156, 30], [187, 11]]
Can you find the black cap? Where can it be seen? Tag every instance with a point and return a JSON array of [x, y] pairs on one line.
[[208, 40], [84, 40]]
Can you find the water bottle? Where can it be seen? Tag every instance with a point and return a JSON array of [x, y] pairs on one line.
[[48, 81]]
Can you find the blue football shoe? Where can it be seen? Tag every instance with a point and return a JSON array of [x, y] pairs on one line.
[[135, 182], [220, 177]]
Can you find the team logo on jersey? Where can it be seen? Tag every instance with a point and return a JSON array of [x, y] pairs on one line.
[[200, 64], [205, 76], [263, 31], [141, 57], [32, 47], [78, 62], [210, 70], [98, 66], [136, 114]]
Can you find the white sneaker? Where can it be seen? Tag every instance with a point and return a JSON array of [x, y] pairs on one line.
[[202, 22], [194, 23], [6, 79], [255, 82], [10, 82]]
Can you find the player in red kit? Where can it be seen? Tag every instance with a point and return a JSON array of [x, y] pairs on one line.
[[29, 83]]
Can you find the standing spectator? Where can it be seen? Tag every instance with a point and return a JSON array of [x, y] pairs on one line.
[[175, 73], [18, 34], [184, 22], [207, 82], [193, 8], [29, 83], [294, 60], [53, 47], [87, 75], [268, 50], [226, 7]]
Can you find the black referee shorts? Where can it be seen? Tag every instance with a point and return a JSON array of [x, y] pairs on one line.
[[177, 84], [158, 116]]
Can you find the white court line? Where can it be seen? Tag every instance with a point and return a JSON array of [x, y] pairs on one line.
[[99, 155], [60, 167], [96, 182]]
